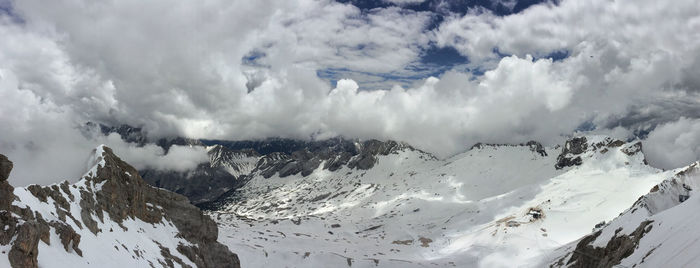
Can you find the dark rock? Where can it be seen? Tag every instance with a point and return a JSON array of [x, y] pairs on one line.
[[336, 153], [569, 154], [576, 145], [618, 248], [25, 250], [202, 184], [5, 167], [6, 190], [69, 238], [533, 145], [563, 162], [126, 196], [126, 132], [208, 181], [536, 147]]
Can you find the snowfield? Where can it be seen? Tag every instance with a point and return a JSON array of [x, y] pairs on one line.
[[492, 206]]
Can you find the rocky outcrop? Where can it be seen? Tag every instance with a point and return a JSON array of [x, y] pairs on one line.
[[636, 233], [226, 170], [24, 231], [570, 154], [533, 145], [230, 161], [575, 148], [111, 191], [5, 168], [335, 153], [201, 184], [618, 247]]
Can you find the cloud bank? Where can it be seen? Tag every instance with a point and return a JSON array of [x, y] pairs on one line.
[[243, 70], [48, 145], [674, 144]]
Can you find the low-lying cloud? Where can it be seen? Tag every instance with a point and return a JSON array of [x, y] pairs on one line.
[[674, 144], [247, 70]]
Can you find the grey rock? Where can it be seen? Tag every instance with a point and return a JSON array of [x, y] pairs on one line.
[[617, 248], [5, 167], [209, 180], [24, 251], [570, 153]]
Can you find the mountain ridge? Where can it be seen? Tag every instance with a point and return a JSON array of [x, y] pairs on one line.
[[109, 210]]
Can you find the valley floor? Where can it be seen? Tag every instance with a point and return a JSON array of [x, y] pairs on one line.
[[493, 206]]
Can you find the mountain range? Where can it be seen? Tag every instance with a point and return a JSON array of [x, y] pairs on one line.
[[591, 202]]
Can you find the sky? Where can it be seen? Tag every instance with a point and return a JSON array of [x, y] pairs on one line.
[[438, 74]]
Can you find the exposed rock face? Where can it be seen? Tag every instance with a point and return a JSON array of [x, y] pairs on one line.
[[338, 153], [111, 191], [5, 168], [617, 248], [570, 153], [229, 169], [232, 162], [534, 146], [26, 235], [225, 170], [576, 147], [200, 185], [308, 156], [127, 133], [642, 230], [6, 189]]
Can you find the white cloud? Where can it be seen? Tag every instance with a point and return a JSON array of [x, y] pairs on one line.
[[405, 2], [178, 158], [177, 69], [47, 145], [674, 144]]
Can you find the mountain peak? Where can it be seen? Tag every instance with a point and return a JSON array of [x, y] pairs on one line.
[[110, 209]]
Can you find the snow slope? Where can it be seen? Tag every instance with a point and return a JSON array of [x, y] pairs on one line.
[[476, 209], [137, 227], [660, 229]]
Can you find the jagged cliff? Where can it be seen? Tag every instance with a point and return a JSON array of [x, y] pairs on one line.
[[110, 217]]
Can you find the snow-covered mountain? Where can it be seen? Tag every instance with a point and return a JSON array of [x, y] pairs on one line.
[[659, 230], [395, 206], [109, 218], [338, 202]]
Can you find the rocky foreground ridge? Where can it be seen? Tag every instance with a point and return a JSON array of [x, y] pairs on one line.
[[659, 229], [111, 218]]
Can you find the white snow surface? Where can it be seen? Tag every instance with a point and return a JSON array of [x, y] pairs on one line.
[[672, 239], [412, 210]]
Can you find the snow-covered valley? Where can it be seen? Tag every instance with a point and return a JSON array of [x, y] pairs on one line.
[[492, 206]]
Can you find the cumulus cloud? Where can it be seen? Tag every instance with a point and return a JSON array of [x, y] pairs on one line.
[[178, 158], [47, 144], [242, 70], [674, 144]]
